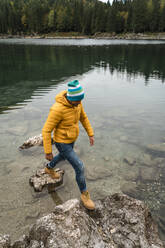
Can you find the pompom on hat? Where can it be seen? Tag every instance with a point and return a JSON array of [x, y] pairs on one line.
[[75, 91]]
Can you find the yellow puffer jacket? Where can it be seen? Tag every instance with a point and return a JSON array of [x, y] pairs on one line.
[[63, 119]]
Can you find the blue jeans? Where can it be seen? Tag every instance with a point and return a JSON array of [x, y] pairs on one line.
[[66, 152]]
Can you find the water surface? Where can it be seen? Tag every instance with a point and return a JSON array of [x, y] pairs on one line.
[[124, 100]]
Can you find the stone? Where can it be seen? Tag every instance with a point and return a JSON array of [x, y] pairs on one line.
[[106, 158], [129, 160], [149, 161], [159, 162], [98, 173], [117, 221], [146, 160], [35, 244], [156, 149], [149, 174], [41, 179], [132, 174], [4, 241], [21, 243], [130, 189], [34, 141]]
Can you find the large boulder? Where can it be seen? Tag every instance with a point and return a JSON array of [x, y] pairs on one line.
[[118, 221]]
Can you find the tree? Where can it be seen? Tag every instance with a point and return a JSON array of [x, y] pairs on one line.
[[154, 24], [162, 17], [139, 16]]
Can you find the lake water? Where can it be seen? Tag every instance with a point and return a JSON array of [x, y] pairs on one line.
[[125, 102]]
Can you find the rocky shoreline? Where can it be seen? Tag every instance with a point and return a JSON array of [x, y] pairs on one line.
[[111, 36], [117, 221]]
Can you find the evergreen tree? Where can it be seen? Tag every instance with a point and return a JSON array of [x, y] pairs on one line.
[[139, 20], [154, 24], [83, 16], [162, 19]]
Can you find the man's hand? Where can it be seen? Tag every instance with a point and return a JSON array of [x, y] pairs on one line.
[[49, 156], [91, 140]]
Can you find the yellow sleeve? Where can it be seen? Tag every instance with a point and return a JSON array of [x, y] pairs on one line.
[[52, 121], [85, 122]]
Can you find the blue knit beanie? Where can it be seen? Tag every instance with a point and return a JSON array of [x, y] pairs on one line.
[[75, 91]]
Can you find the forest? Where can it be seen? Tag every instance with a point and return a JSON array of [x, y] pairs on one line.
[[82, 16]]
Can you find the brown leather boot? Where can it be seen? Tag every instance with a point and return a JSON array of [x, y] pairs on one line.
[[87, 202], [52, 173]]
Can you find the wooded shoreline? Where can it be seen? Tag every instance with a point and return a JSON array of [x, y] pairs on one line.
[[71, 35]]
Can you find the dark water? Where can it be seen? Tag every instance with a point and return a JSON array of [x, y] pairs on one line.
[[125, 102]]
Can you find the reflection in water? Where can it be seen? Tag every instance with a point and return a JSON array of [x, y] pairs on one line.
[[125, 114], [21, 66]]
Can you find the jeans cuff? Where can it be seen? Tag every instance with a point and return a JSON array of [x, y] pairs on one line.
[[48, 166]]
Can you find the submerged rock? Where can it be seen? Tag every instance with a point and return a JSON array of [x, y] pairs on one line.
[[118, 221], [131, 174], [129, 160], [157, 149], [149, 173], [131, 189], [41, 179]]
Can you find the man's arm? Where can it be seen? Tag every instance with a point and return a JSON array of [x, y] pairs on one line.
[[86, 124], [53, 119]]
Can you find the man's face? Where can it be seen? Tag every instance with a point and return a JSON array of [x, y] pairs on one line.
[[75, 103]]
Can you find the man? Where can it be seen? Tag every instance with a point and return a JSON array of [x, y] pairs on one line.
[[63, 120]]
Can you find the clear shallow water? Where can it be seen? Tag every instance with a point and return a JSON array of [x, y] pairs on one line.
[[125, 102]]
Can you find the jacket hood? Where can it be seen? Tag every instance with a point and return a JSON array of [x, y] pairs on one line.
[[60, 98]]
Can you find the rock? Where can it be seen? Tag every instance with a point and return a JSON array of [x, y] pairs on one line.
[[156, 149], [68, 226], [4, 241], [36, 244], [131, 175], [34, 141], [106, 158], [41, 179], [146, 160], [21, 243], [149, 174], [129, 160], [128, 219], [98, 173], [117, 221], [149, 161], [34, 215], [130, 189], [159, 162]]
